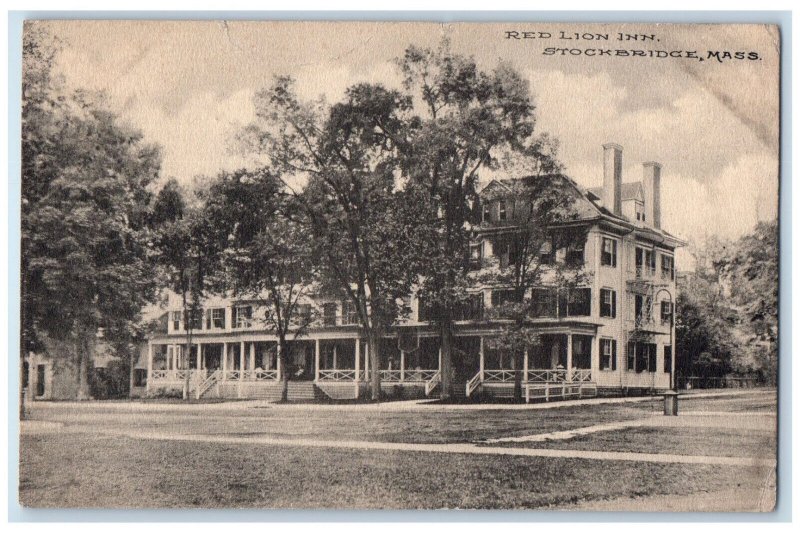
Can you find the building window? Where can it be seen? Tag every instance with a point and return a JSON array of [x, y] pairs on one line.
[[302, 313], [645, 356], [215, 318], [502, 213], [645, 262], [575, 253], [578, 302], [667, 359], [194, 319], [544, 303], [582, 351], [475, 255], [630, 356], [608, 354], [666, 312], [667, 267], [242, 316], [609, 255], [608, 303], [176, 320], [487, 213], [349, 315], [140, 377], [546, 253], [329, 314]]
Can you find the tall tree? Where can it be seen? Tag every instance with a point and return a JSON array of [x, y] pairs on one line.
[[359, 219], [187, 251], [267, 257], [750, 270], [535, 254], [85, 178], [466, 118]]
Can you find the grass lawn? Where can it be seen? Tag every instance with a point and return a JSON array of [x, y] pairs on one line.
[[80, 464], [77, 470]]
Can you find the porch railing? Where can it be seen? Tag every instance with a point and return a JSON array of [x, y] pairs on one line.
[[432, 383], [547, 375], [261, 375], [498, 376], [473, 384], [581, 375], [390, 375], [173, 375], [337, 375], [420, 375]]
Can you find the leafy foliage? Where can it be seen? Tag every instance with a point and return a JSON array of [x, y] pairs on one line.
[[85, 178], [727, 316]]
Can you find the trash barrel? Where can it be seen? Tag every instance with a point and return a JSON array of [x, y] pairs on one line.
[[670, 403]]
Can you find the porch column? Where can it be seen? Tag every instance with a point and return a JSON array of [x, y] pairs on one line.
[[366, 362], [402, 365], [224, 360], [440, 359], [481, 359], [316, 360], [525, 366], [335, 355], [569, 357], [199, 358], [149, 364], [252, 363], [241, 369], [525, 377], [358, 359]]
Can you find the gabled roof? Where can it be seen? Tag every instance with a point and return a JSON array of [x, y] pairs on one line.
[[630, 191], [587, 206]]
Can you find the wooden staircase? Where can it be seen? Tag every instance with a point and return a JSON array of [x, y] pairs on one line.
[[304, 391]]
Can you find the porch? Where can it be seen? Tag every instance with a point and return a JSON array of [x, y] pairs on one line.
[[558, 367]]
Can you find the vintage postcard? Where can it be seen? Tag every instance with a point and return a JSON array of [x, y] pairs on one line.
[[391, 265]]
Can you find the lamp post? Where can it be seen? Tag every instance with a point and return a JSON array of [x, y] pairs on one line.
[[671, 396]]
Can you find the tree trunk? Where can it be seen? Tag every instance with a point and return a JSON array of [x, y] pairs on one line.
[[374, 362], [283, 352], [84, 355], [446, 344], [132, 373]]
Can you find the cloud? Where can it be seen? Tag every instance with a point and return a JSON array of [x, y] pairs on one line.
[[717, 177]]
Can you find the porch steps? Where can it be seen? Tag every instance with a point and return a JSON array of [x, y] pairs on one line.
[[303, 391]]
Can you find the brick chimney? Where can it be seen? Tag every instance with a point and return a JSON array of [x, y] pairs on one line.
[[651, 183], [612, 178]]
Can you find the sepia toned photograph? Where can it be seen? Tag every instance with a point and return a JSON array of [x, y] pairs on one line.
[[399, 265]]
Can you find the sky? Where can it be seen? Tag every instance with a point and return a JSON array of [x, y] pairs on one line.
[[712, 125]]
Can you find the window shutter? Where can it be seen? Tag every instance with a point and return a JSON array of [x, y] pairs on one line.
[[208, 318], [613, 354], [614, 305]]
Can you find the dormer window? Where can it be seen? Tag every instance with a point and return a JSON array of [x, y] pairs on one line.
[[502, 214]]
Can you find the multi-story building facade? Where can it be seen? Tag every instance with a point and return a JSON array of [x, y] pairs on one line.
[[613, 333]]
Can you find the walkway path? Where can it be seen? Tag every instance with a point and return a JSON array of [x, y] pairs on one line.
[[460, 448], [695, 419]]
